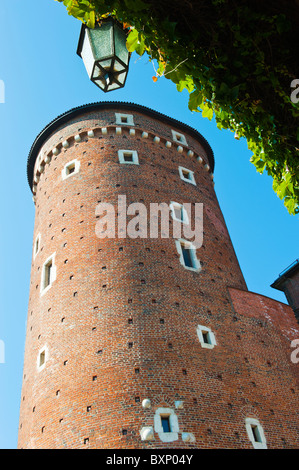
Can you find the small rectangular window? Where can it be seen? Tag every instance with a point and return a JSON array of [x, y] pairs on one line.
[[179, 138], [206, 337], [187, 175], [70, 168], [121, 118], [128, 156]]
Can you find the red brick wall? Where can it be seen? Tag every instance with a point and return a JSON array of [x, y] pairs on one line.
[[112, 292]]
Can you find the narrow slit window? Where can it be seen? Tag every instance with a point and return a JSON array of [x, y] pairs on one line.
[[48, 274], [206, 337], [255, 433], [165, 423], [187, 257], [36, 245], [187, 252], [42, 358]]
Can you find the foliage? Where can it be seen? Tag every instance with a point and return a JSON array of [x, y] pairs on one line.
[[237, 61]]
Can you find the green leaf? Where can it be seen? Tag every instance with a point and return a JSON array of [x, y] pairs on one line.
[[207, 112], [195, 100]]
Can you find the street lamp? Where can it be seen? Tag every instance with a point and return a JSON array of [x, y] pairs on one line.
[[105, 55]]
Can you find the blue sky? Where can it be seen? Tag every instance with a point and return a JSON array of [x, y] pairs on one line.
[[43, 78]]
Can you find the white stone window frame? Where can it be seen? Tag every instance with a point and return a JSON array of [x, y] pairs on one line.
[[195, 261], [73, 163], [43, 288], [190, 179], [43, 350], [124, 119], [176, 205], [173, 424], [253, 422], [133, 153], [178, 137], [36, 245], [211, 337]]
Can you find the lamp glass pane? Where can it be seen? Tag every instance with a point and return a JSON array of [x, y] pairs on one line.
[[121, 50], [102, 41], [87, 55]]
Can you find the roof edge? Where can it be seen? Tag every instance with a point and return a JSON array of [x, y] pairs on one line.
[[65, 117]]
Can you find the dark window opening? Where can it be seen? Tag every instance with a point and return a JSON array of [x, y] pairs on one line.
[[206, 337], [256, 434], [165, 423], [187, 257]]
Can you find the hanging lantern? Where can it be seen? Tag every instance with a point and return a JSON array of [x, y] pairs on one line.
[[105, 55]]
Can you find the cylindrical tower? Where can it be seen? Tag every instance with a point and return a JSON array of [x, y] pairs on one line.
[[130, 340]]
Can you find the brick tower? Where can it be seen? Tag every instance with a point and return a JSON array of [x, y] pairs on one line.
[[144, 342]]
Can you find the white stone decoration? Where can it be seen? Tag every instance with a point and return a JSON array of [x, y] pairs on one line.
[[188, 437], [146, 403], [147, 433], [179, 404]]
